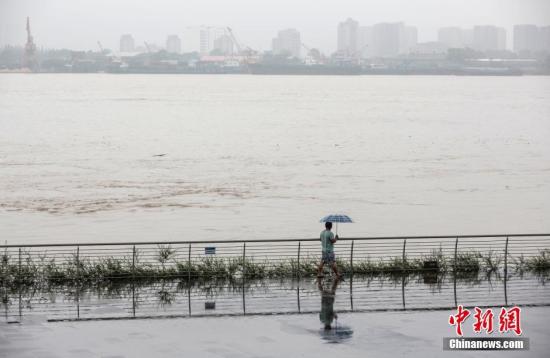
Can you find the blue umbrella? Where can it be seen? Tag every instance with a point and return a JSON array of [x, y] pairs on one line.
[[336, 218]]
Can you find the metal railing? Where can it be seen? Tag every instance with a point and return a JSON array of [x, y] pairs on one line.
[[499, 254], [500, 251]]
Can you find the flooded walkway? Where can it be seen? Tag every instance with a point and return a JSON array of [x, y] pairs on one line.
[[381, 315], [376, 334], [178, 298]]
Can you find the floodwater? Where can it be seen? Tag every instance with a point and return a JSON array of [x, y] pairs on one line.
[[104, 157], [180, 299], [379, 317]]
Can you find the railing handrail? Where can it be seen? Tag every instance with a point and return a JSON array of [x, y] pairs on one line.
[[179, 242]]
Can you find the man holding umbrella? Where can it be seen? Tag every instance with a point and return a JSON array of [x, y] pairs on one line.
[[327, 243]]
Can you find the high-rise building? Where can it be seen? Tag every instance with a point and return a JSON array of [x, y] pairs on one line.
[[544, 33], [204, 45], [347, 37], [287, 42], [224, 44], [455, 37], [489, 38], [452, 37], [365, 41], [409, 39], [388, 39], [173, 44], [468, 37], [501, 38], [528, 38], [127, 43]]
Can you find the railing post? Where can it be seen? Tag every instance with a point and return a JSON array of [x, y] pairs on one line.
[[244, 277], [189, 266], [134, 281], [244, 262], [506, 272], [506, 258], [351, 258], [4, 282], [454, 272], [133, 263], [455, 255], [19, 267], [298, 264], [404, 266], [19, 287], [78, 282], [404, 259], [78, 263]]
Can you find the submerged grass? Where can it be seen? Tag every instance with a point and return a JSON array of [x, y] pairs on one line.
[[539, 263], [27, 271]]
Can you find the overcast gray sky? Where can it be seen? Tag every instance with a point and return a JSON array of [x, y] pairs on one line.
[[79, 24]]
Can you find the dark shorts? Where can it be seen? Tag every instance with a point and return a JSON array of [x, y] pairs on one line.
[[328, 257]]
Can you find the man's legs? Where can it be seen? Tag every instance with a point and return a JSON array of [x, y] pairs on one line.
[[335, 269], [320, 269]]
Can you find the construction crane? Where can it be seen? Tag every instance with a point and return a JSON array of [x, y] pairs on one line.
[[30, 48], [234, 39]]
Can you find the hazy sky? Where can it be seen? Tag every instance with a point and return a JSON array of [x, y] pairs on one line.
[[79, 24]]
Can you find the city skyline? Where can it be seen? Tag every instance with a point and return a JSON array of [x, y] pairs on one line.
[[381, 40], [256, 28], [354, 40], [378, 40]]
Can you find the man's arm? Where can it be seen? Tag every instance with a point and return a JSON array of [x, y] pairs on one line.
[[333, 239]]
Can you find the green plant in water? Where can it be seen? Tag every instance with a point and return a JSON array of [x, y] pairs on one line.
[[308, 267], [211, 267], [253, 269], [69, 270], [165, 297], [437, 257], [467, 262], [539, 263], [165, 253], [365, 267], [520, 263], [491, 262]]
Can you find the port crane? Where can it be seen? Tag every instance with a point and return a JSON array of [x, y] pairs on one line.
[[246, 51], [30, 49], [234, 39]]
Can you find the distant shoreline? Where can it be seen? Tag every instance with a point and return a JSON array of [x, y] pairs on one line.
[[457, 74]]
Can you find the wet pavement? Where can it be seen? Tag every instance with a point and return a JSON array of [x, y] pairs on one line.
[[374, 334]]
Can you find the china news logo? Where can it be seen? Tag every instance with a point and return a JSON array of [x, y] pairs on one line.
[[484, 321]]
